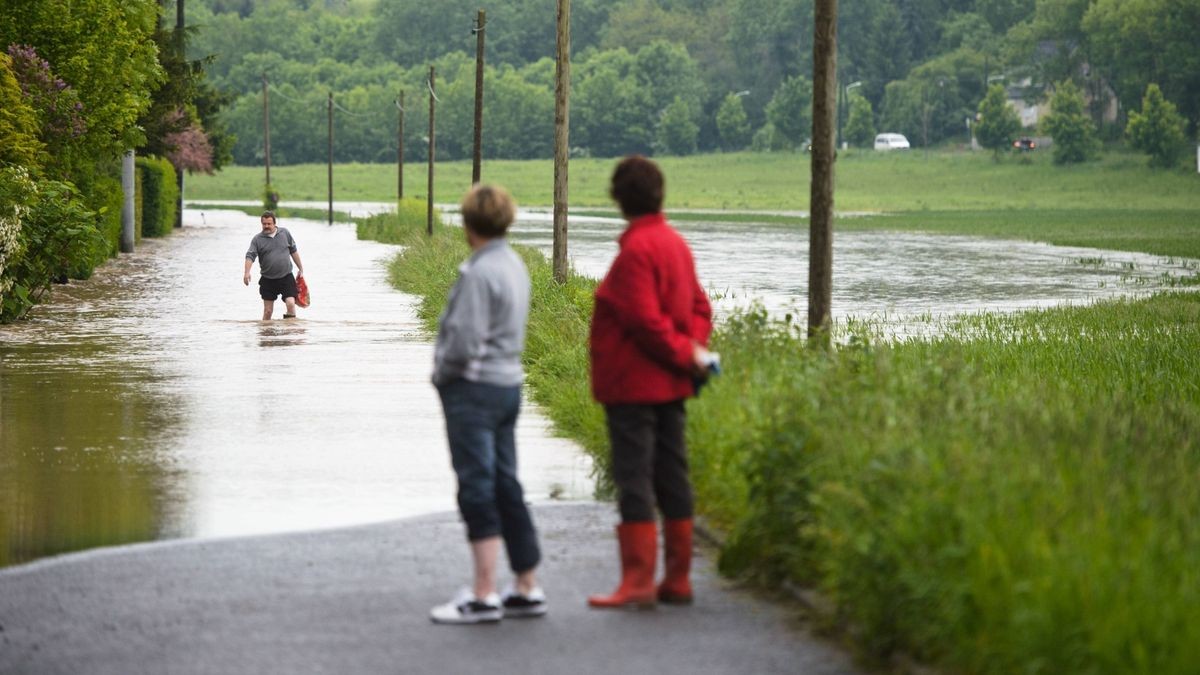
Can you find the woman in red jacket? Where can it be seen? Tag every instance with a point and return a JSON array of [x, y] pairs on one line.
[[649, 330]]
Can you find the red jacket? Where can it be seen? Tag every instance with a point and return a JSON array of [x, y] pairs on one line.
[[650, 309]]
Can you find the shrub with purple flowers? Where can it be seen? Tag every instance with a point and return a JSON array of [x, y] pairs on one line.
[[57, 104]]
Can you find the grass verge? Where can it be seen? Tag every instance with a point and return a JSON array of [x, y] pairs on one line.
[[1018, 495], [280, 213]]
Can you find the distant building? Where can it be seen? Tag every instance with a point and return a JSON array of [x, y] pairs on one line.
[[1032, 100]]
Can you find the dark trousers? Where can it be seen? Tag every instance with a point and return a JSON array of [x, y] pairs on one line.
[[480, 423], [649, 460]]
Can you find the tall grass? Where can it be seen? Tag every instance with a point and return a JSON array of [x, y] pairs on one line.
[[411, 216], [1018, 495]]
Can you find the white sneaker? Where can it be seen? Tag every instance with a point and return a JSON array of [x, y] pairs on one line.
[[465, 608], [518, 605]]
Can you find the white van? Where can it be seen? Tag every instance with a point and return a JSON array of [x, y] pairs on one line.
[[891, 142]]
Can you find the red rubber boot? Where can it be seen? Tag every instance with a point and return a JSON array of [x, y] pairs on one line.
[[639, 553], [676, 588]]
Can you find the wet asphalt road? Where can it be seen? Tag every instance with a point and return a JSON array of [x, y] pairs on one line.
[[356, 600]]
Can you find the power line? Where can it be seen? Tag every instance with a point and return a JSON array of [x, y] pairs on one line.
[[353, 114]]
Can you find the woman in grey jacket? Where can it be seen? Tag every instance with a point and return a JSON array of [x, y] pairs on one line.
[[478, 375]]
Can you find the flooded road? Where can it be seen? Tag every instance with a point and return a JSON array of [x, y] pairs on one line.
[[149, 402]]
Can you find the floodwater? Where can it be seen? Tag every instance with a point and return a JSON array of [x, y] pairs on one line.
[[150, 402], [893, 277], [887, 277]]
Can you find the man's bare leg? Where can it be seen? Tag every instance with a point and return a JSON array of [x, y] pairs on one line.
[[268, 309], [290, 311]]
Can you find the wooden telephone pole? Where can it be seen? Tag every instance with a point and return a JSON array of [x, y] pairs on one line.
[[820, 246], [330, 106], [432, 147], [181, 45], [480, 24], [562, 116], [267, 128], [400, 148]]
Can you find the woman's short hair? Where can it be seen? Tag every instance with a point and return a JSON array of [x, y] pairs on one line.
[[488, 210], [637, 186]]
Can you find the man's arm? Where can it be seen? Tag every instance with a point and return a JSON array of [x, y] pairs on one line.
[[299, 265], [246, 274]]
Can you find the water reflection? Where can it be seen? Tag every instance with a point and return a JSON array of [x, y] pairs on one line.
[[288, 333], [87, 473]]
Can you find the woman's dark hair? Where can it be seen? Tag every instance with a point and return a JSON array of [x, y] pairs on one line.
[[637, 186], [488, 210]]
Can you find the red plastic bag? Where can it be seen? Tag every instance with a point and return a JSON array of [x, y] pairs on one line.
[[302, 298]]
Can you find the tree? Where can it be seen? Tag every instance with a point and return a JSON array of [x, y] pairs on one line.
[[860, 125], [1138, 42], [185, 106], [772, 40], [676, 134], [732, 123], [1158, 129], [669, 74], [609, 108], [1071, 128], [790, 110], [998, 123], [520, 122], [19, 128], [104, 50]]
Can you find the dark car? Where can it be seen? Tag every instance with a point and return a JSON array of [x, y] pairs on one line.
[[1024, 144]]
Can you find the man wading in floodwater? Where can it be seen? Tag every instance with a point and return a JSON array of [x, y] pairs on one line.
[[275, 250]]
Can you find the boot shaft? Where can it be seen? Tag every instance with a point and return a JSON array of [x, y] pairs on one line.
[[677, 549]]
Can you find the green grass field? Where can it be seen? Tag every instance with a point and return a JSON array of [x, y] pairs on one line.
[[866, 181]]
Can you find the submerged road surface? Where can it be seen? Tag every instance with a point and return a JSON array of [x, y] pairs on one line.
[[150, 402]]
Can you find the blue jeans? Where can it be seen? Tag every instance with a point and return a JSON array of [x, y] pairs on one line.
[[480, 423]]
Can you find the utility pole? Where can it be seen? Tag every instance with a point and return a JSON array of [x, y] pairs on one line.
[[820, 242], [432, 148], [181, 46], [267, 129], [400, 149], [480, 24], [330, 106], [562, 116], [128, 214]]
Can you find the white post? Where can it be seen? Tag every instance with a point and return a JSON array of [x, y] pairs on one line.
[[127, 212]]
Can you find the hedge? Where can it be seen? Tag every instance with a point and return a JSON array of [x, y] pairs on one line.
[[159, 195]]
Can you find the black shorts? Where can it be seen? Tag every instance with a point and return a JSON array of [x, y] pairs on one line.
[[270, 289]]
